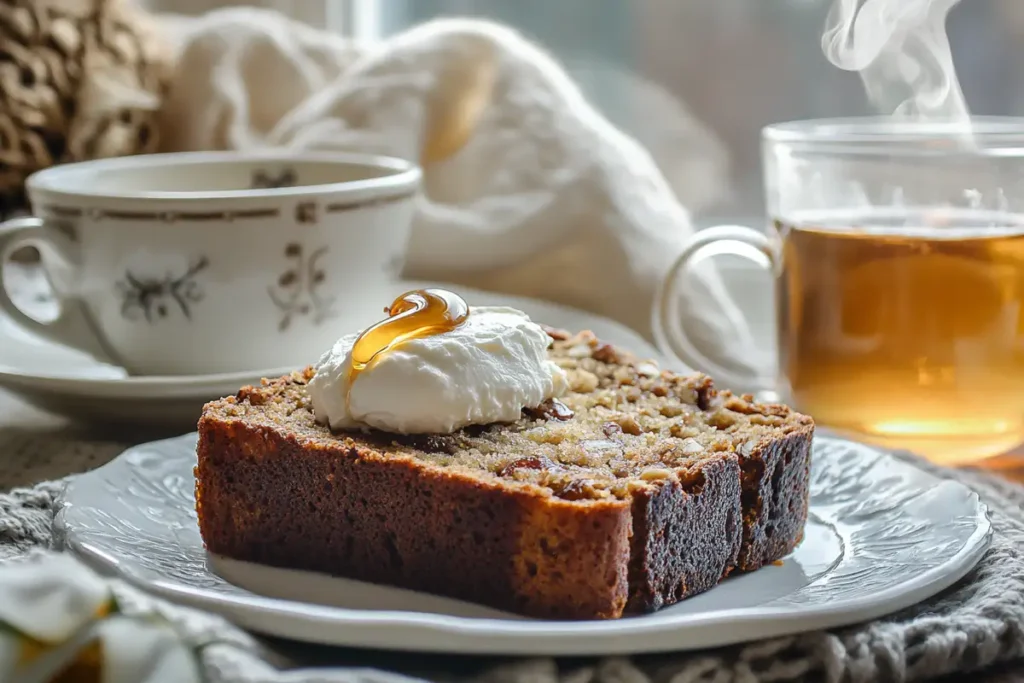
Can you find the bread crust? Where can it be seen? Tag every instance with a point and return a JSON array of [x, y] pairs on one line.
[[346, 506], [775, 498], [686, 536]]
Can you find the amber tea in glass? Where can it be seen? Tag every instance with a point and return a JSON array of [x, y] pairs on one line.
[[908, 333], [898, 257]]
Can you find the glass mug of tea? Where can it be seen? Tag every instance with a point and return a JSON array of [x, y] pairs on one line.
[[897, 251]]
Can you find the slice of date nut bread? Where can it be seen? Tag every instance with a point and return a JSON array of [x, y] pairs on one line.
[[637, 489]]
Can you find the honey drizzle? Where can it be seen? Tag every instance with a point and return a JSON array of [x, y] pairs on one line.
[[413, 315]]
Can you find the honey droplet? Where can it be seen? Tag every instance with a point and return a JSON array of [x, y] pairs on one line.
[[413, 315]]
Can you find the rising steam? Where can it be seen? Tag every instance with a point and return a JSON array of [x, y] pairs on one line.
[[901, 51]]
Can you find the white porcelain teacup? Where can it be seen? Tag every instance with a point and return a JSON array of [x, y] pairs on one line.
[[209, 262]]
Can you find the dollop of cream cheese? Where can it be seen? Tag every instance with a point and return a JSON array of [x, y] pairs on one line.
[[485, 370]]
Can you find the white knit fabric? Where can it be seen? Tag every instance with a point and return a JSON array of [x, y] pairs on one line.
[[527, 189]]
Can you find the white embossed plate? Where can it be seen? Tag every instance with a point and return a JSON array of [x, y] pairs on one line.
[[883, 535]]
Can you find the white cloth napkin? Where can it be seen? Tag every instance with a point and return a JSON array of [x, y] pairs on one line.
[[528, 190]]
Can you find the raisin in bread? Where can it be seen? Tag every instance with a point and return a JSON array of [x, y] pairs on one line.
[[635, 490]]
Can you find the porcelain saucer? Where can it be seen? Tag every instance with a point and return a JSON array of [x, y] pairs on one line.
[[63, 380]]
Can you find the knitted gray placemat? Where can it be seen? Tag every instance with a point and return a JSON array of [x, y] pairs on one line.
[[977, 623]]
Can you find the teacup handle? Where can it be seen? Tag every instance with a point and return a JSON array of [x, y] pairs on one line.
[[72, 326], [670, 334]]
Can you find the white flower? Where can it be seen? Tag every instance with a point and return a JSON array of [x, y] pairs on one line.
[[55, 612], [139, 651], [49, 597]]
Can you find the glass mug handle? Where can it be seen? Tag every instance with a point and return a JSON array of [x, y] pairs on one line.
[[669, 333], [71, 327]]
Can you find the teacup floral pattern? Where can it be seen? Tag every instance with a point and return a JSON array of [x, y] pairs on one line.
[[153, 298], [299, 289], [262, 179]]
